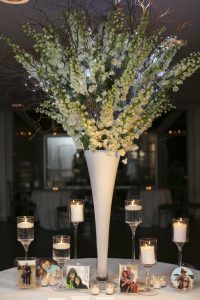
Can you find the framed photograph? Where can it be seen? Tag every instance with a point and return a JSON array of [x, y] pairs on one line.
[[128, 277], [47, 266], [182, 278], [26, 273], [77, 277]]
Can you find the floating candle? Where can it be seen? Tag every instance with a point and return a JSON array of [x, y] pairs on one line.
[[61, 246], [25, 225], [132, 207]]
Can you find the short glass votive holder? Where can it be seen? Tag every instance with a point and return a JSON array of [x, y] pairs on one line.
[[110, 288], [48, 280], [157, 283], [163, 281], [44, 281], [94, 288]]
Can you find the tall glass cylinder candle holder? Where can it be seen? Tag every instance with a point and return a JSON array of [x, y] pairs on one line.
[[180, 232], [76, 215], [61, 253], [133, 217], [25, 231], [148, 257]]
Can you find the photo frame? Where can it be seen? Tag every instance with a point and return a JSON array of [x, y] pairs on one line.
[[26, 273], [128, 277], [48, 272], [182, 278], [77, 276], [47, 266]]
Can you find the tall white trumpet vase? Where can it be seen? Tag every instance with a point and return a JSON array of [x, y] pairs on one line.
[[102, 167]]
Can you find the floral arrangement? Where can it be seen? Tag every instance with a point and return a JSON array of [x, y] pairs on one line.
[[105, 84]]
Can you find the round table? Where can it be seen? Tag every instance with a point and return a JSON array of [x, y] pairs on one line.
[[9, 290]]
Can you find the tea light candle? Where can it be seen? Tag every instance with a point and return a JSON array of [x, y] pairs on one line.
[[52, 281], [152, 279], [25, 225], [61, 246], [163, 282], [76, 212], [180, 232], [110, 289], [95, 290], [148, 255], [44, 281], [157, 284]]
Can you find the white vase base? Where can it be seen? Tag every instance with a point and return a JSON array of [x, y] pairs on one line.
[[101, 278]]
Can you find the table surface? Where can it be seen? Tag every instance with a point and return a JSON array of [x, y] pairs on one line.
[[9, 290]]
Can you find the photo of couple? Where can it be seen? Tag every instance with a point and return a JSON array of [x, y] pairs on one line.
[[128, 275], [26, 274], [26, 270], [77, 277]]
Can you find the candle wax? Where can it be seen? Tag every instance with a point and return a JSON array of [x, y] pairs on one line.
[[76, 213], [25, 225], [157, 284], [180, 232], [61, 246], [44, 282], [148, 255], [163, 282], [110, 290], [132, 207], [95, 290]]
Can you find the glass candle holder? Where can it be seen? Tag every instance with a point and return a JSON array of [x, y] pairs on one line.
[[76, 215], [94, 288], [25, 231], [157, 284], [61, 253], [110, 288], [148, 257], [133, 217], [180, 232], [163, 281]]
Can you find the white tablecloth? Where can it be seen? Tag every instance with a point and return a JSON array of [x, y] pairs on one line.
[[47, 203], [9, 291], [151, 200]]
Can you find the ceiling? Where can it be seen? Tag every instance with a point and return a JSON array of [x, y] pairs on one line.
[[13, 16]]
